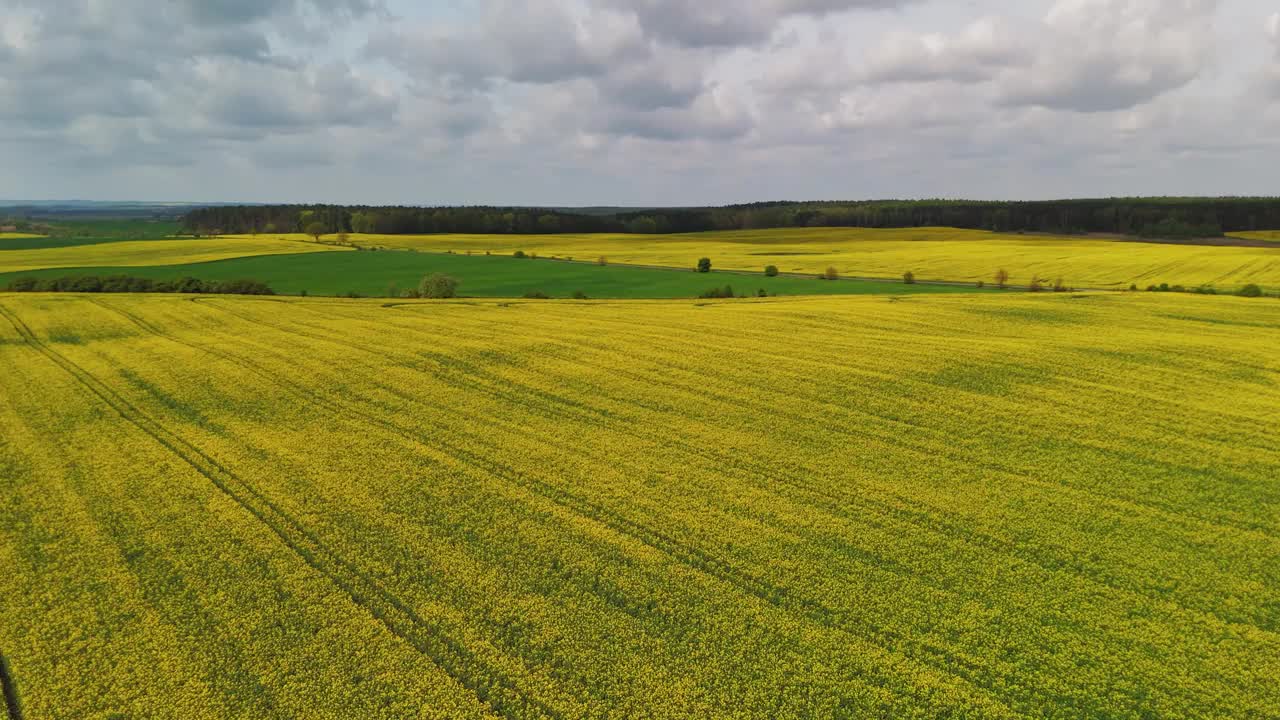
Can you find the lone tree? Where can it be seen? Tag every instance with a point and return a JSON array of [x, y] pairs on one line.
[[909, 277], [1002, 278], [704, 265], [771, 271], [602, 261], [831, 274], [438, 286], [315, 230]]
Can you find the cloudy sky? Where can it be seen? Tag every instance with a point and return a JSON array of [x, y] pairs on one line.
[[636, 102]]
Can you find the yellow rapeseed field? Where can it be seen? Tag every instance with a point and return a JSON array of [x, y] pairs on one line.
[[17, 236], [977, 506], [930, 253], [150, 252]]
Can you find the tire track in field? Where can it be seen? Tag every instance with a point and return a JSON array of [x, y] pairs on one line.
[[684, 553], [499, 693], [893, 642], [911, 514], [333, 408], [914, 514], [12, 705]]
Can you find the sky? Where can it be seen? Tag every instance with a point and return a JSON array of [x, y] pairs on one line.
[[636, 102]]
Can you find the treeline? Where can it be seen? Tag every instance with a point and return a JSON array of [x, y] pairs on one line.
[[132, 284], [1153, 217]]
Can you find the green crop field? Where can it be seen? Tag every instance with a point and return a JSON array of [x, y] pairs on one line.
[[374, 274], [963, 506], [930, 253]]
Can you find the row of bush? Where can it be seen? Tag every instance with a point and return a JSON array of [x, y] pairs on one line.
[[1251, 290], [727, 292], [132, 284]]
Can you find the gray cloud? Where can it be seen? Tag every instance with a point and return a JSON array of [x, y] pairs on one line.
[[1105, 55], [644, 101], [720, 23], [976, 54], [125, 84], [516, 42]]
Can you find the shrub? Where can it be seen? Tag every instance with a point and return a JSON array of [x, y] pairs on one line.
[[1177, 288], [536, 295], [704, 265], [771, 271], [579, 295], [724, 292], [831, 274], [315, 230], [981, 284], [909, 277], [1251, 290], [1152, 288], [762, 293], [1002, 278], [438, 286], [1036, 284], [1133, 287], [1059, 285], [519, 254], [1164, 287], [241, 287], [602, 261], [1205, 290]]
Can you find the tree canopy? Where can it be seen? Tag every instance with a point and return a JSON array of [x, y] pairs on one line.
[[1158, 217]]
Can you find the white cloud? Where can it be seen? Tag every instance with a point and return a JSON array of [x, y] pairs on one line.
[[636, 101]]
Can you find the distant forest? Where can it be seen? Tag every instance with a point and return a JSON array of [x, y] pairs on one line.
[[1152, 217]]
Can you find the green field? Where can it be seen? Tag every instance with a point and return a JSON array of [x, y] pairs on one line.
[[965, 257], [73, 233], [932, 253], [971, 506], [385, 273]]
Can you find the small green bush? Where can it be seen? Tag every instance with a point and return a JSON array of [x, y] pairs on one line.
[[1251, 290], [438, 286], [771, 271], [909, 277], [536, 295], [724, 292], [704, 265]]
